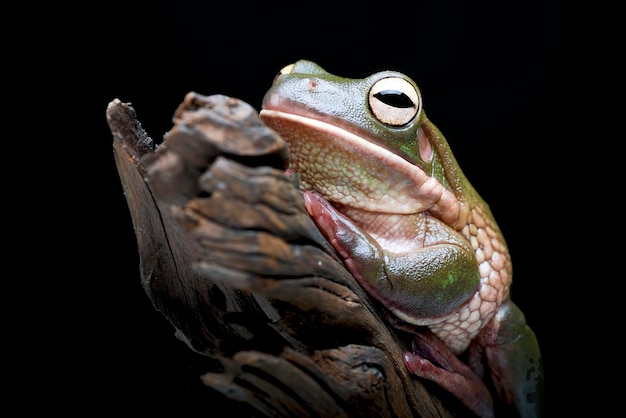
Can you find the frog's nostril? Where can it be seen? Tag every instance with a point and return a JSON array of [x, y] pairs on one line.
[[312, 85]]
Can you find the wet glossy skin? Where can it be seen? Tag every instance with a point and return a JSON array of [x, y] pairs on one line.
[[383, 186]]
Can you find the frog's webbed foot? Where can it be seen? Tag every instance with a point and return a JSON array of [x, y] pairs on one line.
[[431, 359]]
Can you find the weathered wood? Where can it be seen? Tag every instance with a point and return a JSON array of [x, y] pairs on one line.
[[230, 256]]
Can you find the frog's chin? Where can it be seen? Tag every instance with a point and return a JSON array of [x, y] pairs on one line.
[[352, 171]]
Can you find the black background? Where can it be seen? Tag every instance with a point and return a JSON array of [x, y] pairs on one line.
[[494, 79]]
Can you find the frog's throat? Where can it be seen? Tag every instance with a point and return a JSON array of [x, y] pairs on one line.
[[420, 192]]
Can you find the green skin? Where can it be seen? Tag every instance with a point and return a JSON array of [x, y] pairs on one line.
[[381, 183]]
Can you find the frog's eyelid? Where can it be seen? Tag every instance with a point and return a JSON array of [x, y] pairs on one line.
[[394, 101]]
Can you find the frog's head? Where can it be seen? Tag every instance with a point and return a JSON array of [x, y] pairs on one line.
[[363, 143]]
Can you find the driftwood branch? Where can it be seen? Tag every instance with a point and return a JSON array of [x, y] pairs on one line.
[[230, 256]]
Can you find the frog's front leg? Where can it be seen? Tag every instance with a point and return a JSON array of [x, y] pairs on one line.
[[416, 287], [514, 360], [420, 284]]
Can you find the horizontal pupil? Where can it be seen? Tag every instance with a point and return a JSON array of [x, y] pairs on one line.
[[394, 98]]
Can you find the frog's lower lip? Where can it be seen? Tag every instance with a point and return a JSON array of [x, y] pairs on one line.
[[282, 105], [389, 158], [400, 185]]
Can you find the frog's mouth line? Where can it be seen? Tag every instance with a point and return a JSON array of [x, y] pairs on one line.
[[380, 178]]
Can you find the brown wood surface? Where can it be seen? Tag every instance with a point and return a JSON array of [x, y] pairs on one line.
[[230, 256]]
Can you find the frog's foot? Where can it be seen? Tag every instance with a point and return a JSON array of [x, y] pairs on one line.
[[431, 359]]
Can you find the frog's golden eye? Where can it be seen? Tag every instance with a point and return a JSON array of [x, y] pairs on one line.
[[394, 101]]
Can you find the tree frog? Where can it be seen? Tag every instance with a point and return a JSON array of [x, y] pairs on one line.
[[383, 186]]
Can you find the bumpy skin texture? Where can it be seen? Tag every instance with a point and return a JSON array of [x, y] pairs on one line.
[[495, 279], [383, 186]]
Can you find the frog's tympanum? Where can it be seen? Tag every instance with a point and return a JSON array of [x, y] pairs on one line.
[[381, 183]]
